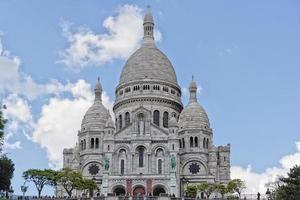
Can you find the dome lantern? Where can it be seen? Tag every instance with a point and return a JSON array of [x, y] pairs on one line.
[[148, 28], [193, 91], [98, 91]]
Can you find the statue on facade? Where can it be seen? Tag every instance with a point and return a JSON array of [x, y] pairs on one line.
[[173, 162], [106, 163]]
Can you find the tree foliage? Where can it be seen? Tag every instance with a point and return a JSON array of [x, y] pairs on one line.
[[288, 187], [70, 180], [236, 185], [7, 168], [2, 125], [206, 188], [221, 189], [40, 178], [191, 190]]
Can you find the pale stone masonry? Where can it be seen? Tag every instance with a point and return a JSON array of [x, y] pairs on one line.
[[153, 145]]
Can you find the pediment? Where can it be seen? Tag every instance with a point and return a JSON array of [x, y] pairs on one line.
[[158, 132]]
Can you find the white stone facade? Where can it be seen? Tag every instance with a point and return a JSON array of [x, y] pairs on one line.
[[153, 145]]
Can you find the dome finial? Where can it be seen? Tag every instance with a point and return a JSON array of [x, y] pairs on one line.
[[193, 90], [98, 90], [148, 27]]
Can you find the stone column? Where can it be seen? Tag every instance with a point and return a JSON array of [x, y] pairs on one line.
[[104, 185]]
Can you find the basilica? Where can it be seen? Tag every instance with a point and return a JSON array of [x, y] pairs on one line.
[[153, 145]]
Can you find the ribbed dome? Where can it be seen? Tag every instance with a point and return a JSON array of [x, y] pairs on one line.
[[173, 122], [97, 115], [193, 116], [148, 62]]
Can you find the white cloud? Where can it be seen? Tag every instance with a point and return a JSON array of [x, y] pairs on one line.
[[13, 81], [60, 118], [17, 109], [7, 145], [60, 121], [256, 182], [124, 35]]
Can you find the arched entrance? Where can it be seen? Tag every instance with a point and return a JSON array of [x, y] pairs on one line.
[[119, 190], [158, 190], [139, 191]]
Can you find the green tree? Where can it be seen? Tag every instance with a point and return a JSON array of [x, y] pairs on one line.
[[221, 189], [40, 178], [191, 191], [87, 185], [7, 168], [207, 188], [69, 180], [236, 185], [288, 187], [2, 125]]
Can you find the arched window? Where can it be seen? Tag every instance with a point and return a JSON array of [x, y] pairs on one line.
[[108, 148], [156, 117], [122, 166], [120, 122], [179, 143], [81, 145], [173, 146], [141, 156], [159, 166], [183, 145], [84, 144], [92, 143], [204, 142], [196, 141], [191, 141], [127, 119], [97, 143], [165, 119], [207, 143]]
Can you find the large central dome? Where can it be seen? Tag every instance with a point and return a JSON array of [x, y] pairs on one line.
[[148, 62]]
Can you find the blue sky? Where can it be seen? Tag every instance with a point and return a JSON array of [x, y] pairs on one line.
[[245, 55]]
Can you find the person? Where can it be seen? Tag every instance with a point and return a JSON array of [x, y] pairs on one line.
[[258, 196]]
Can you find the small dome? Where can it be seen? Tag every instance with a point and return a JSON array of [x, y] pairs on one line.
[[173, 122], [97, 115], [148, 63], [193, 116], [109, 123]]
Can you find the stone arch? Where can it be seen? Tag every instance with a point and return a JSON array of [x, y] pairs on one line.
[[196, 160], [139, 190], [119, 190], [157, 146], [159, 189], [122, 146], [84, 168]]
